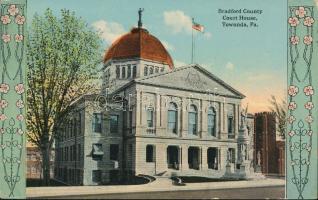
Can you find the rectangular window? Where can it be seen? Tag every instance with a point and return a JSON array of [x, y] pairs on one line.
[[150, 118], [129, 71], [130, 119], [78, 152], [162, 69], [192, 123], [230, 126], [134, 71], [97, 122], [113, 123], [114, 152], [123, 72], [157, 70], [117, 71], [79, 123], [97, 152], [172, 121], [150, 153], [96, 176], [231, 155]]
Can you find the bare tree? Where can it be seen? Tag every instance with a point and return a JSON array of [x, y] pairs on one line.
[[280, 109]]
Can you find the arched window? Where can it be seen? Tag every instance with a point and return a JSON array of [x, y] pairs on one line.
[[150, 118], [146, 71], [134, 71], [211, 122], [150, 70], [123, 72], [193, 120], [172, 117]]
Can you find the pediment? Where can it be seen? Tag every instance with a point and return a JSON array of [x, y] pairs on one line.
[[194, 78]]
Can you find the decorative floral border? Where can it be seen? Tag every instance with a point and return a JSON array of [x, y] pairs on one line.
[[12, 125], [300, 132]]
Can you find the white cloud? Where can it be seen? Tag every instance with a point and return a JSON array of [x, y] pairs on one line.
[[178, 63], [108, 31], [229, 66], [167, 45], [177, 21]]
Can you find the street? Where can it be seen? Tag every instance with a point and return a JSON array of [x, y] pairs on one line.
[[235, 193]]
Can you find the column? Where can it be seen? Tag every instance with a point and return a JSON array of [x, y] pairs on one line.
[[185, 165], [158, 111], [204, 152], [236, 118]]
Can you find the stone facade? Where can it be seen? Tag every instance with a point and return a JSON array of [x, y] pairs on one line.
[[145, 144]]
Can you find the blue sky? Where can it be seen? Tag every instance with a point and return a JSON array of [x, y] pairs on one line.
[[252, 60]]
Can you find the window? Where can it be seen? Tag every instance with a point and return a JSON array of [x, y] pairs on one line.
[[130, 118], [162, 69], [79, 123], [146, 71], [97, 122], [150, 117], [231, 155], [97, 153], [117, 71], [123, 72], [134, 71], [211, 122], [150, 70], [172, 118], [96, 176], [113, 123], [193, 120], [128, 71], [78, 152], [149, 153], [230, 125], [157, 70], [114, 150]]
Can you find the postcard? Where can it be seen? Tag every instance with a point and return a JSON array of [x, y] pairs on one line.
[[206, 99]]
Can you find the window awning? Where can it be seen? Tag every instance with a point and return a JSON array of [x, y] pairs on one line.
[[97, 150]]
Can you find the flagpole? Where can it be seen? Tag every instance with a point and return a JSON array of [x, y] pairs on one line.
[[192, 42]]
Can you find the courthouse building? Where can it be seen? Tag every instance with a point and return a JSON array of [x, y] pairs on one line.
[[159, 120]]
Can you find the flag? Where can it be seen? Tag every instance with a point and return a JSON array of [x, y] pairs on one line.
[[197, 27]]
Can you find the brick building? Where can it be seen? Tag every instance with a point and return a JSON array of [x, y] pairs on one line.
[[268, 145]]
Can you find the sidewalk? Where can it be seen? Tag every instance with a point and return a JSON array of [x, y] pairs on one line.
[[159, 185]]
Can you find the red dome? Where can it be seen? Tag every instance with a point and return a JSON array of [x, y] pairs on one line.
[[141, 44]]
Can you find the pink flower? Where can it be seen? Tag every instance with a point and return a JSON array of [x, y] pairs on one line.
[[294, 40], [309, 119], [13, 10], [308, 90], [19, 88], [19, 19], [5, 19], [3, 117], [18, 38], [3, 103], [308, 21], [20, 103], [291, 133], [292, 105], [300, 12], [307, 39], [6, 38], [291, 119], [20, 117], [309, 133], [20, 131], [4, 88], [293, 21], [309, 105], [292, 90]]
